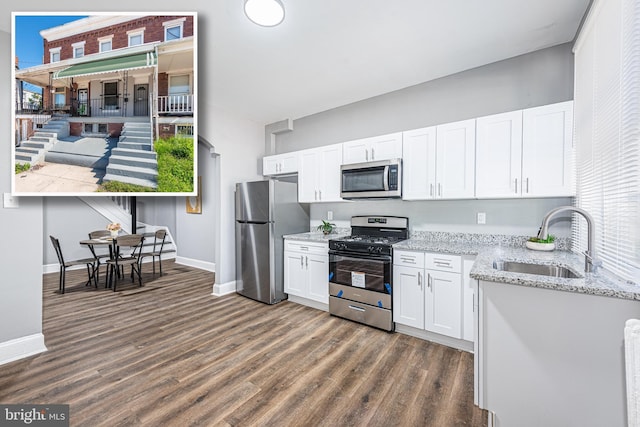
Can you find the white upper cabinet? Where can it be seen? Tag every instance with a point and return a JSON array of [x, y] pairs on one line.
[[456, 160], [547, 151], [382, 147], [526, 153], [499, 155], [280, 164], [419, 164], [439, 162], [319, 174]]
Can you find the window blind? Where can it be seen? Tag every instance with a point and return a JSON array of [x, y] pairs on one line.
[[607, 134]]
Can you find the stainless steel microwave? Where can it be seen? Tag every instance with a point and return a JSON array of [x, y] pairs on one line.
[[372, 180]]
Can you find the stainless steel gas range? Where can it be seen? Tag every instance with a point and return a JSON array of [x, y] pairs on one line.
[[360, 270]]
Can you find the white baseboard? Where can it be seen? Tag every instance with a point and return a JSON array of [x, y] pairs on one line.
[[437, 338], [309, 303], [202, 265], [20, 348], [220, 289]]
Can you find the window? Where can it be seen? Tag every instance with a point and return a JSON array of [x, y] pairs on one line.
[[59, 98], [179, 85], [185, 130], [110, 95], [136, 37], [105, 43], [173, 29], [54, 55], [607, 134], [78, 50]]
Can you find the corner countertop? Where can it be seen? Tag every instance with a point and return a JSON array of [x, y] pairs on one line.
[[511, 248], [315, 236]]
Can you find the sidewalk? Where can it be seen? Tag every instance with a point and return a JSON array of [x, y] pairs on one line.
[[57, 178]]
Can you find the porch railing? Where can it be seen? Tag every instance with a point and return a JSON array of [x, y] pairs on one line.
[[28, 107], [175, 104]]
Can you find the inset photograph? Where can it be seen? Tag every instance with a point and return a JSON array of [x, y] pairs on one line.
[[104, 104]]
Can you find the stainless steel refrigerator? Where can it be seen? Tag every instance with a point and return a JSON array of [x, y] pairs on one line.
[[265, 211]]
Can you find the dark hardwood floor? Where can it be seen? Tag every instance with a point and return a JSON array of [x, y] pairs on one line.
[[170, 354]]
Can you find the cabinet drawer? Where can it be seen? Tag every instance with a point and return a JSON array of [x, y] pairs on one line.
[[408, 258], [443, 262], [306, 247]]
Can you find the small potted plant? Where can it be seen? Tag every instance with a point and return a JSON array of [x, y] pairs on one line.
[[326, 227], [537, 244], [114, 228]]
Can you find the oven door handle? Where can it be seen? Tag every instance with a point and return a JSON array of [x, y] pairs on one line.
[[384, 258], [386, 178]]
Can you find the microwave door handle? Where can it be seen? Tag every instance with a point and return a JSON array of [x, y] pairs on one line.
[[386, 178]]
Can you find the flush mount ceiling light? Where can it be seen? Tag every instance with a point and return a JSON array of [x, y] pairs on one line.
[[267, 13]]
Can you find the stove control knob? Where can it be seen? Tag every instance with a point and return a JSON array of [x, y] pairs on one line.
[[371, 249]]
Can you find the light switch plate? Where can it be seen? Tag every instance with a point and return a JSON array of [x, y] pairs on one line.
[[10, 201], [482, 218], [329, 215]]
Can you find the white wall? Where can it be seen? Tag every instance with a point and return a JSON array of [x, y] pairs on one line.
[[20, 253], [240, 146]]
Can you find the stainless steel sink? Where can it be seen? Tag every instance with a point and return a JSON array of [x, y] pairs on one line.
[[539, 269]]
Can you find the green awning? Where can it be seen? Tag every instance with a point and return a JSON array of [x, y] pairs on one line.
[[101, 66]]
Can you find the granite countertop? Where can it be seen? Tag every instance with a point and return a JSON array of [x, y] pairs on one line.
[[511, 248], [316, 236]]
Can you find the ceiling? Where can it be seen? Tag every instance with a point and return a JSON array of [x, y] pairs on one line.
[[329, 53]]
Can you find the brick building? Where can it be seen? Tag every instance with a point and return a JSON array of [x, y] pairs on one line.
[[106, 70]]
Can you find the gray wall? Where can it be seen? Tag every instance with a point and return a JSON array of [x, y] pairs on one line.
[[538, 78], [21, 251], [195, 233], [70, 220]]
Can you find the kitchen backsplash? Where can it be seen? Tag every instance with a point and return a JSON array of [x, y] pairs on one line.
[[484, 239]]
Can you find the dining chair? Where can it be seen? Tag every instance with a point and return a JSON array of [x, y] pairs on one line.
[[89, 262], [101, 256], [127, 252], [158, 245]]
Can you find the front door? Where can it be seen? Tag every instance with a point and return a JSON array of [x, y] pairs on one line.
[[141, 103], [83, 105]]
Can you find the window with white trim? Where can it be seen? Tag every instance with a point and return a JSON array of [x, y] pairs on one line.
[[607, 133], [78, 49], [184, 130], [59, 97], [173, 30], [105, 43], [136, 37], [54, 54]]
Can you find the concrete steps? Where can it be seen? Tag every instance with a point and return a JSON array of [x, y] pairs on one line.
[[133, 161], [35, 148]]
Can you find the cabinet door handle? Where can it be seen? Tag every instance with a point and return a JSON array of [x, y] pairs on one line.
[[516, 185], [431, 190], [373, 154], [366, 154], [429, 280], [306, 262], [527, 185], [315, 197], [319, 194], [301, 261], [409, 260], [420, 279], [439, 189]]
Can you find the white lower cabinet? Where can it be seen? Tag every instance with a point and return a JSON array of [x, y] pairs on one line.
[[306, 270], [428, 294]]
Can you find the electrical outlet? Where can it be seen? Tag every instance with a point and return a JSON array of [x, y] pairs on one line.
[[10, 201], [329, 215], [482, 218]]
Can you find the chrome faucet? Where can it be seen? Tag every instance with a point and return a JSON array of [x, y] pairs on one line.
[[590, 261]]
